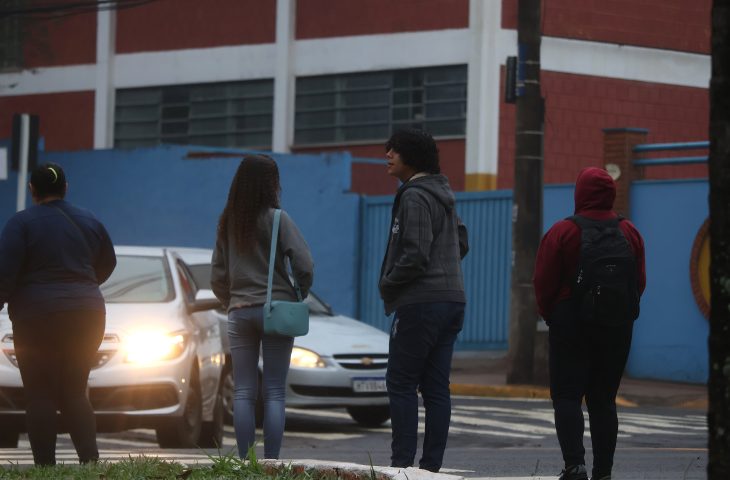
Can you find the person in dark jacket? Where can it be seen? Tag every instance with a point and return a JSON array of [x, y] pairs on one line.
[[422, 282], [53, 257], [586, 359]]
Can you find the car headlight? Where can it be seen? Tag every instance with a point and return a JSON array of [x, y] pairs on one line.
[[9, 349], [303, 358], [153, 346]]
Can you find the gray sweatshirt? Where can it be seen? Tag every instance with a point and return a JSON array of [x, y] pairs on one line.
[[427, 241], [240, 280]]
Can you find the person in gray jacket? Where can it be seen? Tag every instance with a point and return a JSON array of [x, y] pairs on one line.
[[422, 282], [239, 279]]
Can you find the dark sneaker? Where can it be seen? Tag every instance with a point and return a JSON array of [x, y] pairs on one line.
[[604, 477], [574, 472]]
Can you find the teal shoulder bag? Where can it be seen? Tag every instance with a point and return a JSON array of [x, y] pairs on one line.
[[290, 319]]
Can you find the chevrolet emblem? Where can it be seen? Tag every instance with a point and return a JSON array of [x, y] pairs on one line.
[[367, 361]]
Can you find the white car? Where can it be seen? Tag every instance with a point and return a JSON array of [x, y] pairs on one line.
[[160, 363], [341, 362]]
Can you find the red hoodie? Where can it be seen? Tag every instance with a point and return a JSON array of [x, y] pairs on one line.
[[557, 257]]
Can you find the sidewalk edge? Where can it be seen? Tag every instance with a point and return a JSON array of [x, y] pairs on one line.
[[354, 471], [515, 391]]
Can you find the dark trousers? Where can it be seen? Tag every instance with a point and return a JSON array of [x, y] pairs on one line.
[[587, 361], [55, 355], [422, 340]]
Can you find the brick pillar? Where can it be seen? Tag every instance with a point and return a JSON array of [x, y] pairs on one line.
[[618, 158]]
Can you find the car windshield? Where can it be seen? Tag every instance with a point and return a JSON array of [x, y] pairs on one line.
[[201, 275], [138, 279]]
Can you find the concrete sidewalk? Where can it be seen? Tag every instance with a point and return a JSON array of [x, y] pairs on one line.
[[484, 374]]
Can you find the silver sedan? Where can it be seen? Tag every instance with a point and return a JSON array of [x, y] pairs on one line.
[[341, 362], [160, 363]]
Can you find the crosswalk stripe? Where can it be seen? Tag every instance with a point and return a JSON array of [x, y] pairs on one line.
[[497, 420]]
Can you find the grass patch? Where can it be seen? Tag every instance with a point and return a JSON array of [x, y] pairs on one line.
[[154, 468]]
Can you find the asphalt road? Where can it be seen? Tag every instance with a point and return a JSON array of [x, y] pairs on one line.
[[493, 438]]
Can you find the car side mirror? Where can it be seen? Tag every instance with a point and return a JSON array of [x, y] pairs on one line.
[[204, 300]]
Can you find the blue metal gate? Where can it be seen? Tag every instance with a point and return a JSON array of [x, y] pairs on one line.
[[487, 216]]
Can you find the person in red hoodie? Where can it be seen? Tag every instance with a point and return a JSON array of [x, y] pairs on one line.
[[587, 359]]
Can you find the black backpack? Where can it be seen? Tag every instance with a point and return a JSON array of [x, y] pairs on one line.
[[606, 285]]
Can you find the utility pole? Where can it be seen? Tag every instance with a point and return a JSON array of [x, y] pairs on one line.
[[718, 415], [527, 196]]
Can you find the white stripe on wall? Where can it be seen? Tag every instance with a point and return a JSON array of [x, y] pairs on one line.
[[38, 81], [381, 52], [201, 65], [363, 53]]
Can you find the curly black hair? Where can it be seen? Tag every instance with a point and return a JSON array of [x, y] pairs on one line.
[[48, 180], [255, 188], [416, 148]]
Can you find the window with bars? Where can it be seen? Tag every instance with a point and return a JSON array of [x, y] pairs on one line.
[[11, 38], [231, 114], [370, 106]]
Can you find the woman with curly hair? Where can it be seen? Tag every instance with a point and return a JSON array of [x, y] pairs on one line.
[[239, 279]]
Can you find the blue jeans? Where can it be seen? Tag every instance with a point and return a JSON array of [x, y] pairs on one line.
[[422, 340], [246, 334]]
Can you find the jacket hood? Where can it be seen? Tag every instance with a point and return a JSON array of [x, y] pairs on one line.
[[594, 190], [437, 185]]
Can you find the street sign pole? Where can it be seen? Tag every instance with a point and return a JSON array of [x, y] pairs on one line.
[[23, 164]]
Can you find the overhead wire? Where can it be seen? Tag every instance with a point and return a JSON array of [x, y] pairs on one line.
[[64, 9]]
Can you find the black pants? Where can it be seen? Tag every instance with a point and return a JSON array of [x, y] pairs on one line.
[[422, 340], [55, 354], [587, 361]]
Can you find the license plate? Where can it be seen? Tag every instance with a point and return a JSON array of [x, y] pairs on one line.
[[368, 384]]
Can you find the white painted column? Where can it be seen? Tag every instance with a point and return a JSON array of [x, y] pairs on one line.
[[483, 95], [283, 121], [106, 27]]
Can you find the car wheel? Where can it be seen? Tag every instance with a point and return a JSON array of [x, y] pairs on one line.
[[227, 387], [9, 438], [370, 416], [211, 433], [184, 431]]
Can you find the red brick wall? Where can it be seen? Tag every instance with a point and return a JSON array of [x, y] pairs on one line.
[[336, 18], [579, 107], [66, 119], [60, 41], [669, 24], [179, 24], [374, 180]]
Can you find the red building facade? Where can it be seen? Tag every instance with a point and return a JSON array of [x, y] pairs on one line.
[[323, 75]]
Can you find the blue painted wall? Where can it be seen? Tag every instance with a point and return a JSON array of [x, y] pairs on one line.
[[671, 333], [488, 216], [157, 196]]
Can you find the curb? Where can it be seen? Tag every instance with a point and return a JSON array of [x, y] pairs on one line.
[[354, 471], [534, 392], [527, 391], [505, 391]]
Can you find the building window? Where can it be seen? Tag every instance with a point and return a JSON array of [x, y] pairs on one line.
[[231, 114], [369, 106], [11, 38]]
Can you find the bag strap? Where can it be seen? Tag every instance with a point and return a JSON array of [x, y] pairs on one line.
[[81, 232], [272, 258]]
